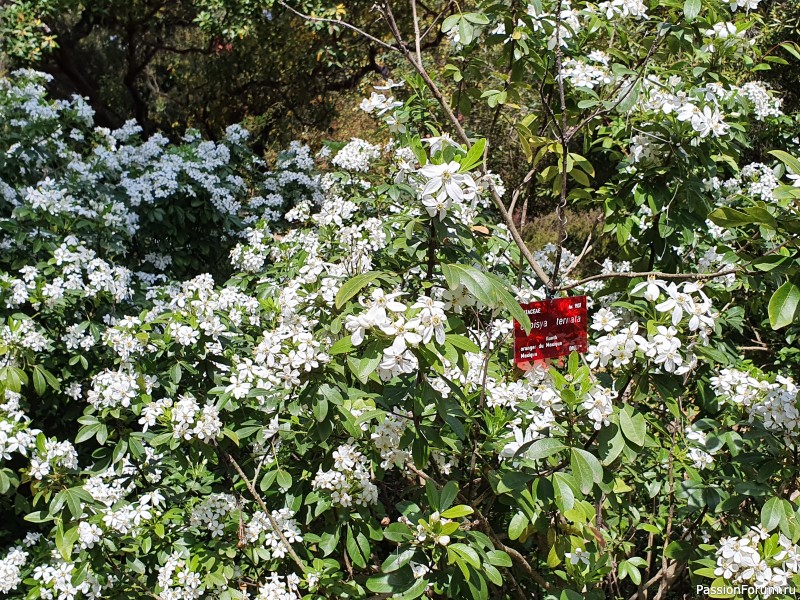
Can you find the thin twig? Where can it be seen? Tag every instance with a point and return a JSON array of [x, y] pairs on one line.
[[462, 135], [516, 557], [338, 22], [257, 497], [659, 274]]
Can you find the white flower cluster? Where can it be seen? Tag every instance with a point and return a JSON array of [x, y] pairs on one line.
[[623, 8], [444, 187], [764, 104], [259, 525], [349, 481], [112, 389], [583, 74], [187, 424], [699, 453], [211, 513], [773, 403], [386, 439], [251, 257], [56, 582], [16, 436], [22, 334], [128, 518], [56, 455], [756, 180], [88, 534], [78, 272], [685, 302], [276, 587], [176, 581], [740, 561], [748, 5], [357, 155], [10, 568], [116, 482], [379, 104], [727, 33]]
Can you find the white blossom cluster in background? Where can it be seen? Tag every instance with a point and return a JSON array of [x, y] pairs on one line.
[[278, 587], [260, 530], [56, 456], [772, 403], [112, 389], [356, 155], [16, 435], [211, 513], [176, 581], [740, 560], [10, 566], [704, 109], [79, 272], [588, 74], [56, 582], [386, 439], [699, 453], [349, 482], [755, 180], [623, 8]]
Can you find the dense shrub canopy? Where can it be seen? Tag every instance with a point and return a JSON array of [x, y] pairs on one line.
[[229, 379]]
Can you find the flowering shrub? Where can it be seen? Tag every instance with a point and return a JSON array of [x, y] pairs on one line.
[[342, 417]]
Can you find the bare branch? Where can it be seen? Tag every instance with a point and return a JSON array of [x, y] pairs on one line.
[[257, 497], [658, 274], [437, 94], [338, 22]]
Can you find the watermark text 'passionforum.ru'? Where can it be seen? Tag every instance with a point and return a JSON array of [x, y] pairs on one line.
[[741, 590]]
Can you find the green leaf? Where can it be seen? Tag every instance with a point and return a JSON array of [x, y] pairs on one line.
[[390, 582], [473, 157], [586, 468], [468, 554], [691, 8], [364, 366], [456, 512], [486, 288], [730, 217], [342, 346], [477, 18], [790, 161], [450, 22], [284, 479], [415, 591], [544, 448], [352, 286], [517, 526], [499, 558], [353, 550], [448, 494], [633, 426], [396, 560], [774, 511], [565, 495], [39, 383], [783, 305], [461, 342]]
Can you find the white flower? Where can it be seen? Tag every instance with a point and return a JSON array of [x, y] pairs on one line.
[[396, 362], [579, 555], [604, 320], [651, 286]]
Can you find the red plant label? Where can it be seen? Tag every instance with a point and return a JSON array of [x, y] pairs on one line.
[[558, 327]]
